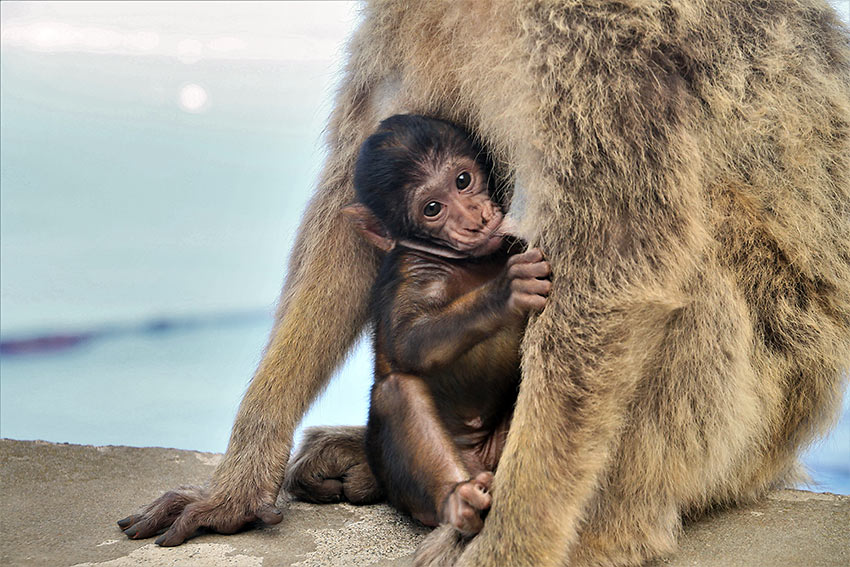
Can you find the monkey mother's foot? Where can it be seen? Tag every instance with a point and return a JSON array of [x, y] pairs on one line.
[[465, 506], [182, 512]]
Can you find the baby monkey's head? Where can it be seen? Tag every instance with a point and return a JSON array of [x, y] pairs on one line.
[[427, 180]]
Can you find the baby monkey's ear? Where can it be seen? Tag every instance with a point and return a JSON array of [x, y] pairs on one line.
[[369, 226]]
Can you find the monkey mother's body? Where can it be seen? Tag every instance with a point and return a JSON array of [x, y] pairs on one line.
[[686, 167]]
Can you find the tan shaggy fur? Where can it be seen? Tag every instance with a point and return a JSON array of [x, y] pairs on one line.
[[685, 165]]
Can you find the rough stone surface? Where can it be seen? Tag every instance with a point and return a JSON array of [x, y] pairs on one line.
[[59, 504]]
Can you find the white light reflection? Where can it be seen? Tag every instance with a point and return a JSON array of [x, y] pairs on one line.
[[193, 98]]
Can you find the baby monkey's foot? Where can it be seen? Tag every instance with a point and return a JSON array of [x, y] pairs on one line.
[[466, 504]]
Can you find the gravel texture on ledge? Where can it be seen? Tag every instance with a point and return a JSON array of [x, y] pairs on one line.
[[59, 504]]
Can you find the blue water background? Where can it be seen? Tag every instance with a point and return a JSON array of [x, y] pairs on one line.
[[162, 233]]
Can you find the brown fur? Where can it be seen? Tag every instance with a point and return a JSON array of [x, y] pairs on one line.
[[686, 167], [448, 310], [339, 472], [443, 546]]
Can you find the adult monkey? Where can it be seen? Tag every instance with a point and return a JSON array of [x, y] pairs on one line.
[[686, 167]]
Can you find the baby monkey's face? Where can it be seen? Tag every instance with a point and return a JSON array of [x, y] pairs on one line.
[[453, 208]]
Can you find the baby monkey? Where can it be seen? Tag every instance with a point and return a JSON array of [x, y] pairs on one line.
[[449, 307]]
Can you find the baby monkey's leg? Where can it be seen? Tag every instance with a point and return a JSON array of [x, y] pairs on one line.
[[416, 459]]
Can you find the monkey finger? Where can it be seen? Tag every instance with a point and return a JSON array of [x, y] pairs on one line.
[[539, 269], [531, 286], [471, 521], [129, 521], [160, 514], [484, 480], [269, 514], [529, 256], [171, 538], [182, 529], [528, 302], [145, 527]]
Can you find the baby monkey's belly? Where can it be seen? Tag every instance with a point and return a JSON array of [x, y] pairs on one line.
[[476, 410], [475, 398], [481, 446]]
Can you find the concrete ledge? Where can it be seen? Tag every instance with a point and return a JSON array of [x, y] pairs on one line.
[[59, 504]]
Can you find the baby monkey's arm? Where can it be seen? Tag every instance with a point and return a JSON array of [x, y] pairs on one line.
[[435, 337]]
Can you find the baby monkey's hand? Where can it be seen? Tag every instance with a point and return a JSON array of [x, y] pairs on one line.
[[528, 277]]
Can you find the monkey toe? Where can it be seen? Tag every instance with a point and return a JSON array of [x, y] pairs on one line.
[[269, 515], [128, 521], [475, 497], [316, 489], [469, 502], [181, 530], [141, 529], [484, 480], [169, 539], [467, 521]]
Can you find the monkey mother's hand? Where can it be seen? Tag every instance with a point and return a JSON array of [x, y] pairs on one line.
[[528, 280], [184, 511]]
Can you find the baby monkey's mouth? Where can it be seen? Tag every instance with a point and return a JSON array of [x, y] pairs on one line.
[[488, 241]]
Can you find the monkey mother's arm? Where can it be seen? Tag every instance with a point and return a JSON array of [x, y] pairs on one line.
[[317, 308], [322, 310], [426, 339]]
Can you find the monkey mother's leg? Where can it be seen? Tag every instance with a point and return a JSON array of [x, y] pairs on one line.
[[416, 459], [619, 228], [331, 466], [566, 427]]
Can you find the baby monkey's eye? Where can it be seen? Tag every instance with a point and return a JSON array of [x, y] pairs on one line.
[[463, 180], [433, 209]]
